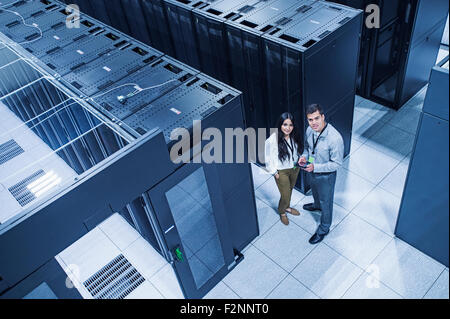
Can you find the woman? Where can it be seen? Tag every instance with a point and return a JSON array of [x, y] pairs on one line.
[[282, 155]]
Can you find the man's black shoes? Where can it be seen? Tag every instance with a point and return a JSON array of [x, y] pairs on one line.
[[310, 207], [316, 238]]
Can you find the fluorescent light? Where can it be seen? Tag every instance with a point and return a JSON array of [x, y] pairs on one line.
[[44, 183], [40, 180], [38, 194]]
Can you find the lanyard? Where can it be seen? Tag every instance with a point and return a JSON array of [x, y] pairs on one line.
[[291, 147], [317, 141]]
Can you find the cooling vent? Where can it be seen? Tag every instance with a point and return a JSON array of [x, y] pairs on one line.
[[21, 192], [114, 281], [9, 150]]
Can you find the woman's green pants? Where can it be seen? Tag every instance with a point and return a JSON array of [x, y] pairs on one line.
[[286, 183]]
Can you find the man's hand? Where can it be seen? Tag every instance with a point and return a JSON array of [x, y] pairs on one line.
[[277, 176], [302, 161], [309, 168]]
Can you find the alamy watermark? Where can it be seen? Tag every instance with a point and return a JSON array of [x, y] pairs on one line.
[[211, 146], [373, 17]]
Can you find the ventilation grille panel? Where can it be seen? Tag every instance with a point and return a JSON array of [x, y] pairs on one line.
[[21, 192], [114, 281], [9, 150]]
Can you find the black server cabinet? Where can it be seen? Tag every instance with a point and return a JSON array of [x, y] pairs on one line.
[[397, 57], [98, 9], [214, 190], [209, 25], [166, 95], [423, 219], [157, 25], [218, 106], [314, 59], [182, 31], [245, 51], [136, 20], [116, 14], [389, 32], [85, 6], [422, 45], [143, 20]]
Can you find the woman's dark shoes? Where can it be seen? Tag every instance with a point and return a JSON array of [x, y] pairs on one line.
[[310, 207], [316, 238]]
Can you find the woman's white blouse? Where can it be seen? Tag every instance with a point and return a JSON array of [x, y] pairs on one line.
[[273, 163]]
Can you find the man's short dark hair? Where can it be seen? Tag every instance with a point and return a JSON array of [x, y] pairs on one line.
[[312, 108]]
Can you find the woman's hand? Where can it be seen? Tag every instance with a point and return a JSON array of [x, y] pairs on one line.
[[277, 176]]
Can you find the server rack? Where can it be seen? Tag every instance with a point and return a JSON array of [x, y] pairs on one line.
[[202, 98], [246, 52], [422, 47], [396, 58], [116, 14], [427, 228], [182, 31], [209, 21], [157, 24], [97, 151], [301, 68], [97, 9], [125, 15], [137, 22], [389, 19], [85, 6]]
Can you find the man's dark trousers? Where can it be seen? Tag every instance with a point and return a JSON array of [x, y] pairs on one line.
[[322, 186]]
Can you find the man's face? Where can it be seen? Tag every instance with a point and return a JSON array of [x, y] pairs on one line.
[[316, 121]]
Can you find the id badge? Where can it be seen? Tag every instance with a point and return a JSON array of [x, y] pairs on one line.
[[311, 160]]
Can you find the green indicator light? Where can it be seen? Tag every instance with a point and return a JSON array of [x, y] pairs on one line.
[[179, 254]]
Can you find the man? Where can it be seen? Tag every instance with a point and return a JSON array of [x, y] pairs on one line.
[[323, 153]]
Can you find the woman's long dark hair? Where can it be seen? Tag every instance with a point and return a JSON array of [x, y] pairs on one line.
[[283, 153]]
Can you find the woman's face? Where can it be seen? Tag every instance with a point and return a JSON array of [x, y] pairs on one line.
[[287, 127]]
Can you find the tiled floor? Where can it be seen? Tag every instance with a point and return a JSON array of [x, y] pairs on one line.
[[360, 258]]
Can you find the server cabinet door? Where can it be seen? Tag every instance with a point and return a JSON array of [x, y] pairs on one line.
[[189, 208]]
